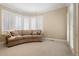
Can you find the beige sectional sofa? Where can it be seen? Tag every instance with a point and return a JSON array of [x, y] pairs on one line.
[[22, 36]]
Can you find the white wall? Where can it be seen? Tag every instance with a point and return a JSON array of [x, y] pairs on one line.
[[71, 25], [68, 29], [71, 21]]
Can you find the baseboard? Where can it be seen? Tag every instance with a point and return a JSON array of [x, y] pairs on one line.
[[46, 38]]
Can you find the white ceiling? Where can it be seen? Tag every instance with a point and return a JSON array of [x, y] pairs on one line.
[[34, 7]]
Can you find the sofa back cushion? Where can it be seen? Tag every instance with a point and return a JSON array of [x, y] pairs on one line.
[[19, 32], [14, 33], [36, 32], [26, 32]]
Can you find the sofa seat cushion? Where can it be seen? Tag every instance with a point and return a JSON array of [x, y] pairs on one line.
[[18, 37], [36, 36], [11, 38], [15, 37], [27, 36]]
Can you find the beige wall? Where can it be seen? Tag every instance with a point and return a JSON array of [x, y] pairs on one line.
[[55, 23]]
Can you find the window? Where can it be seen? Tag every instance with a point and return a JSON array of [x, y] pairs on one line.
[[26, 22], [33, 23], [12, 21], [40, 22], [7, 20], [18, 22]]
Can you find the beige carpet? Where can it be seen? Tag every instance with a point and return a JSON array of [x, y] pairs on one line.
[[45, 48]]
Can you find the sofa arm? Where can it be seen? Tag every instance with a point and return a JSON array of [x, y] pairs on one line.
[[6, 38]]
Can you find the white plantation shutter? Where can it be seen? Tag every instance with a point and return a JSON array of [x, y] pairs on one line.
[[37, 22], [7, 20], [33, 24], [40, 22], [19, 22], [26, 22], [12, 21]]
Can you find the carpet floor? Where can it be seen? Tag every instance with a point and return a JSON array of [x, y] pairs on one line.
[[45, 48]]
